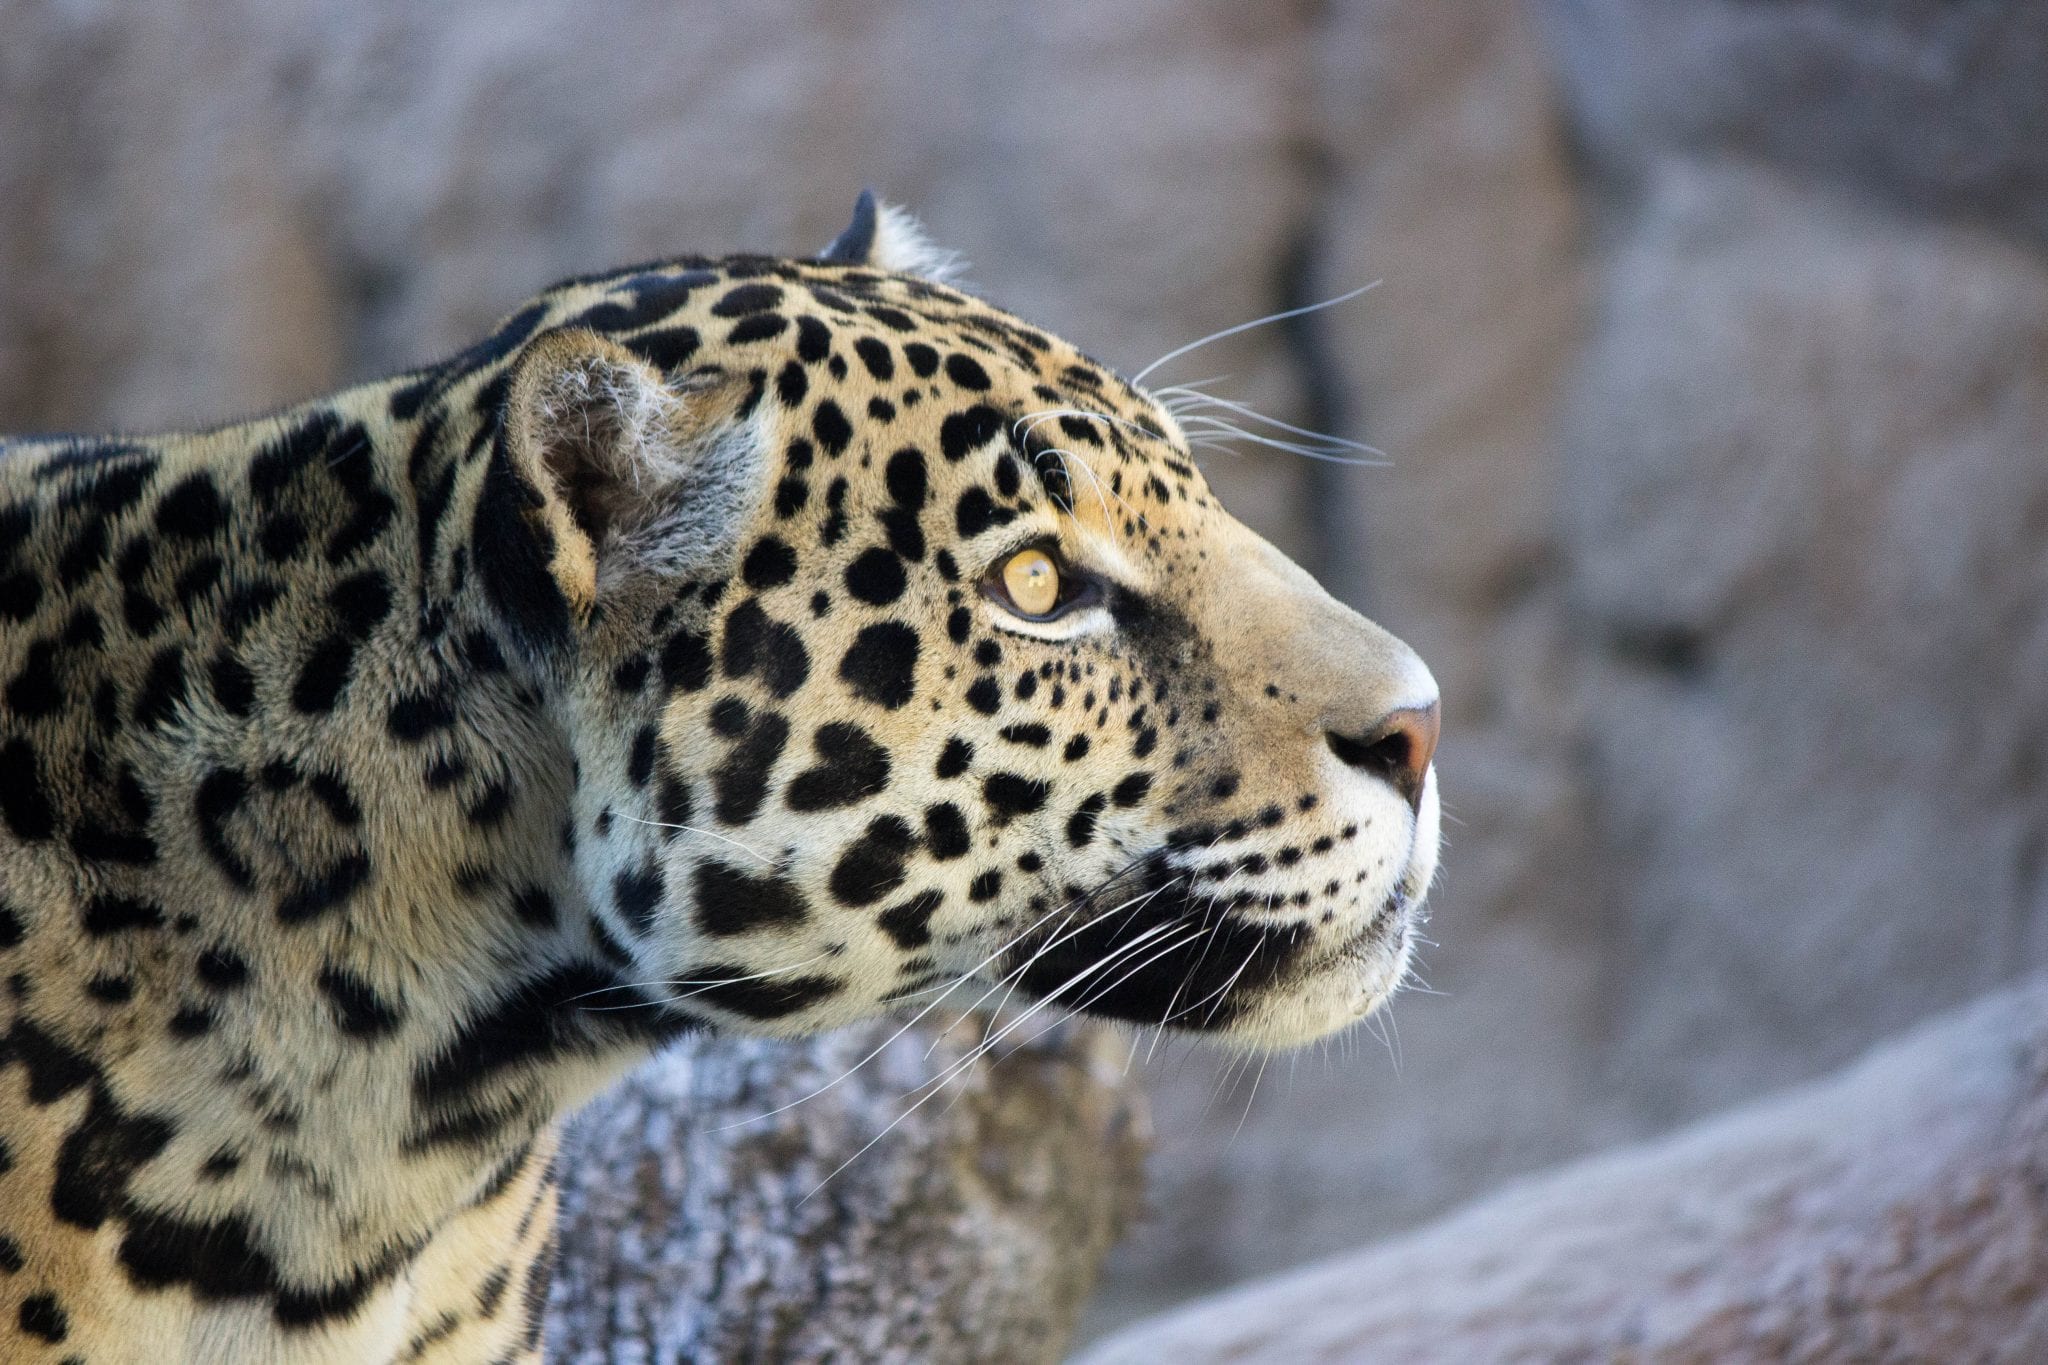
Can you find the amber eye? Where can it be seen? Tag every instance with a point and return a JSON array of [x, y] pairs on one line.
[[1032, 581]]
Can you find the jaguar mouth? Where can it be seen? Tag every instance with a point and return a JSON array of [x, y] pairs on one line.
[[1147, 950]]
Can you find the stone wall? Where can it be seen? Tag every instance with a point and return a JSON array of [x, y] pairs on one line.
[[1711, 358]]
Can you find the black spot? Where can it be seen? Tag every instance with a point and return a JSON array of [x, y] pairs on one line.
[[42, 1316], [906, 478], [362, 601], [985, 886], [953, 761], [219, 795], [959, 624], [1007, 482], [192, 509], [105, 915], [873, 865], [192, 1021], [513, 553], [111, 990], [977, 511], [945, 831], [730, 901], [851, 767], [686, 661], [163, 688], [770, 564], [638, 895], [1010, 795], [667, 348], [1081, 825], [813, 339], [1077, 748], [881, 664], [36, 691], [655, 296], [830, 427], [234, 686], [874, 353], [742, 991], [922, 358], [1132, 789], [985, 695], [534, 907], [84, 554], [323, 676], [640, 761], [328, 891], [757, 328], [792, 384], [19, 595], [969, 430], [222, 968], [54, 1070], [358, 1010], [876, 577], [631, 674], [740, 784], [491, 805], [758, 643], [1032, 736], [747, 298], [910, 923], [790, 495], [413, 718]]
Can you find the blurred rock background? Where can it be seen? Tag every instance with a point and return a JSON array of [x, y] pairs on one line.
[[1711, 356]]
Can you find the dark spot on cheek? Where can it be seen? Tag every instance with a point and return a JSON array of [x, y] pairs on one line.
[[945, 832], [880, 666], [1081, 825], [638, 893], [910, 923], [740, 783], [731, 901], [770, 564], [850, 768], [1010, 795], [954, 759], [873, 864], [876, 577]]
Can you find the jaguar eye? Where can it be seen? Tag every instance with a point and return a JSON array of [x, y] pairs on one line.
[[1032, 582]]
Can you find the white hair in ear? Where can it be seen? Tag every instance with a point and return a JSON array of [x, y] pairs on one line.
[[902, 245]]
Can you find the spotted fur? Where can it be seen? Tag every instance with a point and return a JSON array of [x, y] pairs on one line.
[[361, 766]]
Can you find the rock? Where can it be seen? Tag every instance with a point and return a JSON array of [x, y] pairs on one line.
[[1898, 1211], [887, 1193], [1797, 522], [1931, 107]]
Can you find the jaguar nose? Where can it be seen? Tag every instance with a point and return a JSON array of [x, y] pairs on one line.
[[1397, 749]]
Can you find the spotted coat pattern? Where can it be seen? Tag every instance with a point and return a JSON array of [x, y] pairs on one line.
[[381, 778]]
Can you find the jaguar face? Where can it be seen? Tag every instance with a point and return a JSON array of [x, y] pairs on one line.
[[915, 658]]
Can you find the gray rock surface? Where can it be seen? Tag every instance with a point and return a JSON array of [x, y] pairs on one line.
[[888, 1195], [1898, 1211]]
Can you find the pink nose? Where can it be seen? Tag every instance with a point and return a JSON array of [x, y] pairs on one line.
[[1397, 750]]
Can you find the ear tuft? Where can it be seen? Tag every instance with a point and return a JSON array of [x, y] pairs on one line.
[[889, 238]]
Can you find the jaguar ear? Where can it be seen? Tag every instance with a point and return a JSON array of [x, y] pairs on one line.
[[888, 238], [631, 467]]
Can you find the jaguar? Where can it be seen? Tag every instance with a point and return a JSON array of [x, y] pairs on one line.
[[738, 645]]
